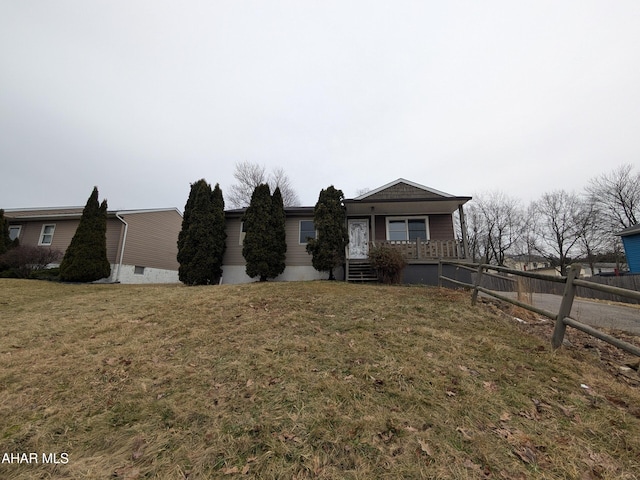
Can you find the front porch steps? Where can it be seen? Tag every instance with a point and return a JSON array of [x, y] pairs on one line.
[[361, 272]]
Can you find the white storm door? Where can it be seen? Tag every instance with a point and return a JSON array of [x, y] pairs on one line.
[[358, 239]]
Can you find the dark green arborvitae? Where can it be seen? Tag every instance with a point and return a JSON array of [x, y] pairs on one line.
[[202, 240], [329, 218], [5, 240], [279, 236], [86, 257], [258, 240]]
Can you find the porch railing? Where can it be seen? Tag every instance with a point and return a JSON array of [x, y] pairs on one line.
[[427, 249]]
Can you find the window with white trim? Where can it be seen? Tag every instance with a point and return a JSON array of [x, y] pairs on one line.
[[407, 228], [14, 231], [307, 229], [46, 234], [138, 270]]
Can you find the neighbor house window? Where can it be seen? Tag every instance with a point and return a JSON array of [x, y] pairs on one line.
[[410, 228], [46, 235], [307, 230], [243, 233], [138, 270], [14, 232]]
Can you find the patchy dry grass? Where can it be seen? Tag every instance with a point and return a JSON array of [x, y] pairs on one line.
[[298, 380]]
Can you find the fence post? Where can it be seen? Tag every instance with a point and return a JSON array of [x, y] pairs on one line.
[[565, 306], [476, 284], [439, 272]]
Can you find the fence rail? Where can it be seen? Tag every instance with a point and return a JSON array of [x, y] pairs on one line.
[[569, 285], [538, 283]]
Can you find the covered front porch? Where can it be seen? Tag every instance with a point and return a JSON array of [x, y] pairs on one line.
[[416, 220], [420, 255]]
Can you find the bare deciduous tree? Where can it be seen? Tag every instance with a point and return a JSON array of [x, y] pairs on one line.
[[496, 224], [249, 175], [527, 246], [618, 196], [279, 179], [559, 230], [504, 222], [592, 240]]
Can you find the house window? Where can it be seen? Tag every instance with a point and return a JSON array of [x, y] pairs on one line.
[[46, 235], [407, 228], [14, 232], [307, 230], [243, 233], [138, 270]]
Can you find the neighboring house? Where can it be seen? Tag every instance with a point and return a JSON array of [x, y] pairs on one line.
[[631, 240], [527, 263], [141, 244], [600, 268]]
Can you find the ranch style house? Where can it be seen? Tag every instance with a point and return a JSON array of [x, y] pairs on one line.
[[415, 219]]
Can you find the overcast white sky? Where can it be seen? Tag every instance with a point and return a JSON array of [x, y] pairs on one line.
[[141, 98]]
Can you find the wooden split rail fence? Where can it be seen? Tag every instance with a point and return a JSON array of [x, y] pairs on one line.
[[562, 317]]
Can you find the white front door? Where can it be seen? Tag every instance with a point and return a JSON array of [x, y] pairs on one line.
[[358, 239]]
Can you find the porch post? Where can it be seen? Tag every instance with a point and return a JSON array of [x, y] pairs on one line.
[[463, 228]]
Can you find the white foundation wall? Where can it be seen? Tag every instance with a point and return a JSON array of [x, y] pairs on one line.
[[151, 275], [232, 274]]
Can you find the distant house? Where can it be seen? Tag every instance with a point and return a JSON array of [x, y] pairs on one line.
[[141, 244], [631, 240], [527, 263], [415, 219], [599, 268]]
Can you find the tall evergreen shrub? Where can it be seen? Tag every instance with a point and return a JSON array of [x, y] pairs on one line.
[[258, 245], [202, 239], [279, 238], [5, 240], [329, 218], [86, 257]]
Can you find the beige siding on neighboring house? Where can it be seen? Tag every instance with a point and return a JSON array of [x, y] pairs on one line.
[[64, 231], [115, 229], [152, 239], [62, 235]]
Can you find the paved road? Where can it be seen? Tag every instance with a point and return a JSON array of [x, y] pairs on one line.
[[596, 314]]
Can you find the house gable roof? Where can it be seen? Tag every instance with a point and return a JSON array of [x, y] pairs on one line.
[[61, 213], [402, 188], [404, 197]]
